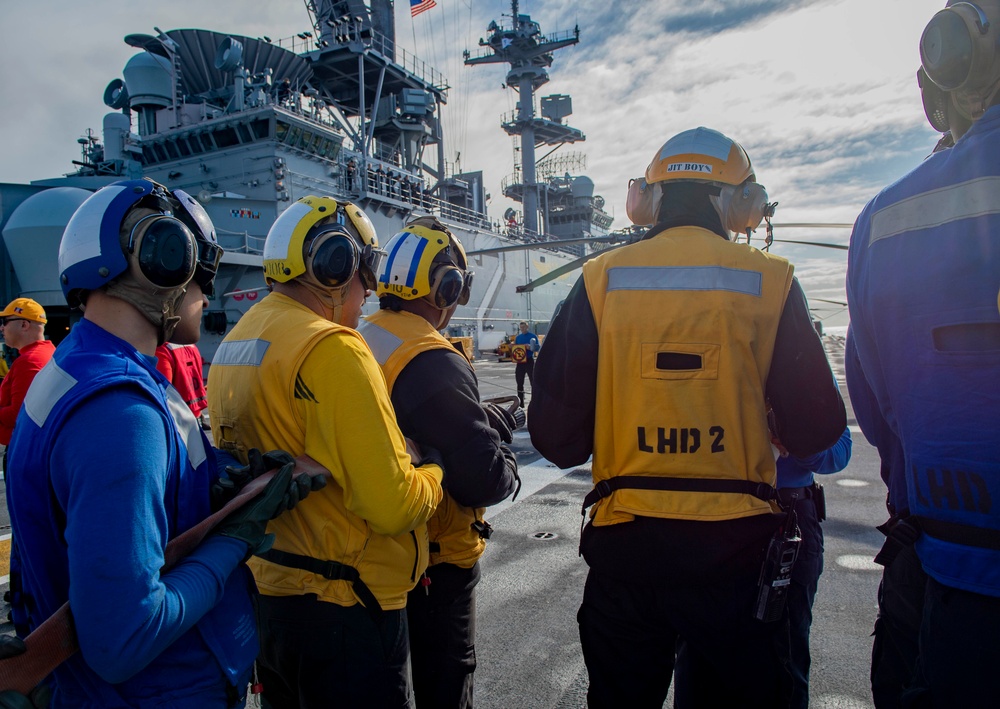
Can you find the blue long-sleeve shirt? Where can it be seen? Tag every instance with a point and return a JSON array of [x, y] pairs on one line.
[[798, 472]]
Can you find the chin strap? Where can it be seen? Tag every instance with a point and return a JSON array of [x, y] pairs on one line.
[[331, 298], [158, 307], [442, 320], [973, 106]]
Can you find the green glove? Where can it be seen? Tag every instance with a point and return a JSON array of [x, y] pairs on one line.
[[249, 523], [11, 646], [225, 489]]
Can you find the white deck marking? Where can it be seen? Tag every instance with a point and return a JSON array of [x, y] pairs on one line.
[[857, 562]]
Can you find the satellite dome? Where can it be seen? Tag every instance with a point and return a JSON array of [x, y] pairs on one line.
[[147, 77], [32, 236], [582, 187]]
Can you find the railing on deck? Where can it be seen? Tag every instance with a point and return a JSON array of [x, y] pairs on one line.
[[352, 32]]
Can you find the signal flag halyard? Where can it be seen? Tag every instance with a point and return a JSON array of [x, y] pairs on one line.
[[418, 6]]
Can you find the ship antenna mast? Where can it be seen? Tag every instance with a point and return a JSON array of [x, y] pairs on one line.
[[529, 54]]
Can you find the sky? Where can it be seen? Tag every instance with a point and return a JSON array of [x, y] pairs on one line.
[[821, 93]]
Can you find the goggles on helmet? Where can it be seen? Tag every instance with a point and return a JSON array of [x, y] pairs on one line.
[[209, 256], [209, 252], [370, 261], [369, 255]]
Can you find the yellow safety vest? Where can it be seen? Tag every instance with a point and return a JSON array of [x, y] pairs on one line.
[[257, 400], [395, 339], [686, 325]]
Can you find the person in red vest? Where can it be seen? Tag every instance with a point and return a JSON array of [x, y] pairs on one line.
[[182, 366], [22, 325]]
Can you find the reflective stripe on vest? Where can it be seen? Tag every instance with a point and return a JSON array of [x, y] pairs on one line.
[[241, 353], [975, 198], [684, 278]]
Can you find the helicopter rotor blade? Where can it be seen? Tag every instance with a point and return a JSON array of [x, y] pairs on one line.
[[812, 225], [546, 244], [562, 270], [839, 247]]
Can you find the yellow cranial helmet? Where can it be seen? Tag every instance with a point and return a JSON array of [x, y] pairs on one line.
[[425, 260], [700, 154], [707, 156], [323, 239]]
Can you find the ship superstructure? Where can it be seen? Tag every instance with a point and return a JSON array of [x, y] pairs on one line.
[[249, 125]]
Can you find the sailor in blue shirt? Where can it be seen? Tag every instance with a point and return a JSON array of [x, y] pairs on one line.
[[109, 464], [796, 480], [525, 366], [922, 283]]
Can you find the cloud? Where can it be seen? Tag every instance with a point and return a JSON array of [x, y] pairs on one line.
[[709, 18], [821, 92]]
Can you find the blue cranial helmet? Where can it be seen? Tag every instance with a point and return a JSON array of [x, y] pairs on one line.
[[173, 244]]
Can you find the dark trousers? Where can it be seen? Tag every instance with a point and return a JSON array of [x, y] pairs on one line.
[[799, 604], [317, 655], [897, 628], [801, 595], [629, 631], [442, 622], [959, 650], [520, 369]]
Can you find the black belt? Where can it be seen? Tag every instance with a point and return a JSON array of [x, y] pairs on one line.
[[332, 570], [957, 533], [762, 491], [800, 493]]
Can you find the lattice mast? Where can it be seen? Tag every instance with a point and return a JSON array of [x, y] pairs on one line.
[[529, 54]]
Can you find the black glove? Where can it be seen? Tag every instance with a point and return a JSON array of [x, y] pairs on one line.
[[225, 489], [503, 421], [11, 646], [249, 523]]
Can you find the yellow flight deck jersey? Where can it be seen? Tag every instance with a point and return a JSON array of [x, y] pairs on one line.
[[285, 378], [685, 347], [395, 339]]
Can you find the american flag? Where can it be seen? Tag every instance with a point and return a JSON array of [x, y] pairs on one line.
[[418, 6]]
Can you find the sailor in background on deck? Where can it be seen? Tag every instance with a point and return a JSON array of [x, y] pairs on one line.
[[525, 359]]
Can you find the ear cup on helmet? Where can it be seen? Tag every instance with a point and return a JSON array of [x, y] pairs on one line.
[[162, 252], [447, 287], [958, 48], [643, 200], [745, 207], [332, 258]]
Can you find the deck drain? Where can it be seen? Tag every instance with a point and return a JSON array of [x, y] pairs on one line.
[[543, 536]]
